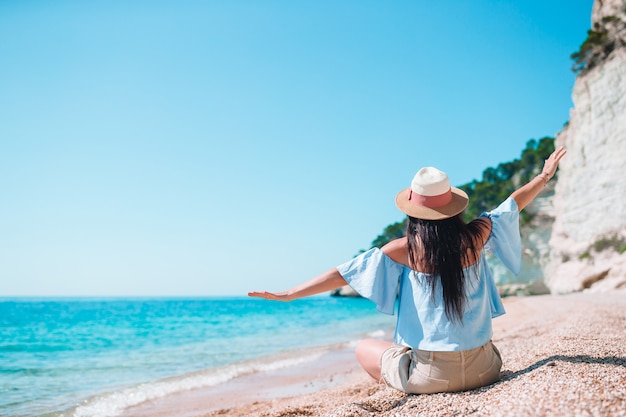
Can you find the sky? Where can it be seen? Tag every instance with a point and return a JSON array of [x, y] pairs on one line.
[[210, 148]]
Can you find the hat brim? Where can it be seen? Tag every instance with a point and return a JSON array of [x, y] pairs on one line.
[[455, 206]]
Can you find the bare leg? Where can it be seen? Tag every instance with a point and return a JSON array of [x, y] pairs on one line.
[[368, 353]]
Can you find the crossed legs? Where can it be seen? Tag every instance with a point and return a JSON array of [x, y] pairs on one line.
[[369, 353]]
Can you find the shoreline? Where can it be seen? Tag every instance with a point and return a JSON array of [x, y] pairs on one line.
[[562, 355], [290, 373], [333, 368]]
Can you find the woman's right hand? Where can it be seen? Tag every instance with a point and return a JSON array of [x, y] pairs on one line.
[[525, 194], [551, 164]]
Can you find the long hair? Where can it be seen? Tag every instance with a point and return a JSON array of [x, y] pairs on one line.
[[442, 248]]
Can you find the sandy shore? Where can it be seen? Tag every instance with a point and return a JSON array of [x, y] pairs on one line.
[[563, 356]]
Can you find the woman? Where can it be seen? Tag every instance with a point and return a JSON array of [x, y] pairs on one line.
[[446, 296]]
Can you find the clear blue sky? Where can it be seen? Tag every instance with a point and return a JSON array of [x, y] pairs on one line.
[[215, 147]]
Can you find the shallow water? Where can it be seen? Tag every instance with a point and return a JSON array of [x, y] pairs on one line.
[[95, 357]]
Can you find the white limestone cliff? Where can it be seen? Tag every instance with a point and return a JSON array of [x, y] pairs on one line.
[[588, 240], [602, 8]]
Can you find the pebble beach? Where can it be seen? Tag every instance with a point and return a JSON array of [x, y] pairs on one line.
[[562, 356]]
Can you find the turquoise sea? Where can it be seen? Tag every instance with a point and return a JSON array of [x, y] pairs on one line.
[[97, 357]]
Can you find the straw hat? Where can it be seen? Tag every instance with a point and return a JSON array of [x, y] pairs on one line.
[[430, 196]]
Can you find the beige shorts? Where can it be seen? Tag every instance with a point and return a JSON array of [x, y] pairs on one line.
[[423, 372]]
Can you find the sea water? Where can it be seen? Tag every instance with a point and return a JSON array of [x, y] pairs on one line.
[[97, 357]]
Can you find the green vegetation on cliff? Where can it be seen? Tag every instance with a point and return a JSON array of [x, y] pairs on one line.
[[496, 185], [606, 36]]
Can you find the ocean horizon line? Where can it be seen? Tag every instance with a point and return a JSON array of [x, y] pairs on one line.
[[4, 298]]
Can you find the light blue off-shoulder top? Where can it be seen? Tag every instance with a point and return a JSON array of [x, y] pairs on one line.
[[421, 320]]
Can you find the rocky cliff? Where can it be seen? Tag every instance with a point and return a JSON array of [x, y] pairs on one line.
[[587, 247]]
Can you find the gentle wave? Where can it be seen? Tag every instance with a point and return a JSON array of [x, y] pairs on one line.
[[114, 404], [377, 334]]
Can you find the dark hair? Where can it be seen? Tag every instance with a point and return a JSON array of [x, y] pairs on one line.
[[443, 248]]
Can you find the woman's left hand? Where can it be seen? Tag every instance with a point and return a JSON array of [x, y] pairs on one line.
[[278, 296]]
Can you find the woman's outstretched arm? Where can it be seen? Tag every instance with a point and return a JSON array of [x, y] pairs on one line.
[[327, 281], [527, 193]]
